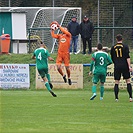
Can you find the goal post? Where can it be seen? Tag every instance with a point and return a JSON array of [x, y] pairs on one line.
[[38, 21]]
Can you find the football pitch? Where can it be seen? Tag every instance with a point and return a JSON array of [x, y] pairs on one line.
[[27, 111]]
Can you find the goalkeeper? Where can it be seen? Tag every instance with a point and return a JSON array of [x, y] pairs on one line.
[[63, 51], [99, 63]]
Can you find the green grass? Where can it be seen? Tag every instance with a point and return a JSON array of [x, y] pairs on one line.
[[36, 111], [72, 111]]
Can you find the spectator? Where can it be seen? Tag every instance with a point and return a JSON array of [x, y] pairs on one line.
[[73, 28], [86, 31]]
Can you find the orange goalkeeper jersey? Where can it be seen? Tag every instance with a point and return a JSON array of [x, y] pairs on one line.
[[64, 40]]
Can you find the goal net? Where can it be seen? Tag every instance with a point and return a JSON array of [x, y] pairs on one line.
[[38, 21]]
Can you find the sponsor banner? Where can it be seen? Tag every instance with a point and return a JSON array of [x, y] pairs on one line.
[[57, 80], [110, 78], [14, 76]]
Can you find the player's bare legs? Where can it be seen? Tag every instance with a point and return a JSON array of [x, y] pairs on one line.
[[68, 71], [63, 75], [61, 72], [68, 75]]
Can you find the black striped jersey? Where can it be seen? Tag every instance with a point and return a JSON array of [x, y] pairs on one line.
[[119, 54]]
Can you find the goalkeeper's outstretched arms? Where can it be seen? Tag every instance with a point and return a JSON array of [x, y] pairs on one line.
[[64, 30], [54, 35]]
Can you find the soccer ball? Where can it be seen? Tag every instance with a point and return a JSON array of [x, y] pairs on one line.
[[54, 26]]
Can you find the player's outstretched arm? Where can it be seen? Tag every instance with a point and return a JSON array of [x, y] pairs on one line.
[[33, 57], [65, 31], [50, 58]]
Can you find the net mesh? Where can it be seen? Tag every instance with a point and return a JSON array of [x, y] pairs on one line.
[[122, 13], [44, 17]]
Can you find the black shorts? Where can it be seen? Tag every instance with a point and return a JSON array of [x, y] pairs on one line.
[[121, 72]]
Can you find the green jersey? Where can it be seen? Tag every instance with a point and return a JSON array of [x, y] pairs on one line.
[[99, 63], [41, 55]]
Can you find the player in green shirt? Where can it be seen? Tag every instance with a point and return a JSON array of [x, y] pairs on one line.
[[99, 63], [42, 56]]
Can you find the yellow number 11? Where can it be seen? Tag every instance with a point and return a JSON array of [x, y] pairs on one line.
[[118, 52]]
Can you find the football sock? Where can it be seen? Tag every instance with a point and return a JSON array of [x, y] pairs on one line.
[[48, 77], [47, 86], [116, 91], [64, 77], [101, 90], [51, 86], [94, 88], [54, 95], [129, 89], [69, 81]]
